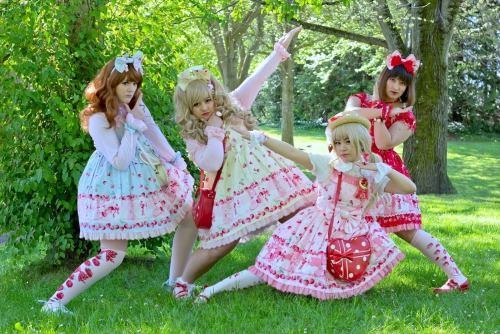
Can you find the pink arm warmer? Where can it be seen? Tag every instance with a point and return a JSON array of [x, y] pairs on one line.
[[246, 93]]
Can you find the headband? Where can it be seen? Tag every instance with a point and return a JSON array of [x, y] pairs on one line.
[[410, 63], [194, 73], [121, 63]]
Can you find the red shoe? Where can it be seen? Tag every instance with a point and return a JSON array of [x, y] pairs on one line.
[[451, 286]]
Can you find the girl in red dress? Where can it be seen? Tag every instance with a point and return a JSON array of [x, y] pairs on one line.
[[390, 112]]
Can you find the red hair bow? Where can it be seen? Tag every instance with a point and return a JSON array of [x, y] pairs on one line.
[[410, 63]]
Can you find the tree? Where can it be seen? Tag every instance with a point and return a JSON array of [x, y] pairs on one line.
[[429, 27], [51, 50]]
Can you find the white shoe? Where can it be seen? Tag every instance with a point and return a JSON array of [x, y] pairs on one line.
[[54, 307], [182, 289], [169, 286]]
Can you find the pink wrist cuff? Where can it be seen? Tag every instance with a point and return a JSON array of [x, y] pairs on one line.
[[136, 124], [215, 132], [280, 49]]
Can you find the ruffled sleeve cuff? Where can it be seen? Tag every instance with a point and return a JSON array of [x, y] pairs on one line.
[[382, 170], [134, 125], [215, 132], [179, 163], [280, 49]]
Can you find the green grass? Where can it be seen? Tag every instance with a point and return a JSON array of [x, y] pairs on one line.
[[131, 300]]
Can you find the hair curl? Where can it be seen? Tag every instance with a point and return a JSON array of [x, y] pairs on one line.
[[400, 72], [197, 91], [101, 93]]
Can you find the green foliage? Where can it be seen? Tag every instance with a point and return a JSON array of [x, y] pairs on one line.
[[474, 76], [52, 51], [326, 75]]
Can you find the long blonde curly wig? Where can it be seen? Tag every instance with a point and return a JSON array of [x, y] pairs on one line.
[[198, 90]]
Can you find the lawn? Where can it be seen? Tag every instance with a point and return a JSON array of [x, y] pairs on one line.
[[131, 300]]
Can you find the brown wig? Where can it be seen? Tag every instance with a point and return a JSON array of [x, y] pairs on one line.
[[101, 93], [400, 72]]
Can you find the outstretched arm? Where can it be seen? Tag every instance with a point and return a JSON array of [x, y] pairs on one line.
[[284, 149], [248, 90]]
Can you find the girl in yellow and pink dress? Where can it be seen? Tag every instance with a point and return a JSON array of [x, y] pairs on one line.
[[294, 259], [390, 113], [256, 188], [120, 197]]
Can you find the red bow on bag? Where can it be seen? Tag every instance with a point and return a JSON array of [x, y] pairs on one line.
[[348, 259], [410, 63]]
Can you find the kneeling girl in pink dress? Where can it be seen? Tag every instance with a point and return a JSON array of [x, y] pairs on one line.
[[294, 259]]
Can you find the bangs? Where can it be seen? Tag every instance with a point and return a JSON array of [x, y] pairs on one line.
[[198, 91], [357, 134], [345, 131], [115, 78], [133, 75], [401, 73]]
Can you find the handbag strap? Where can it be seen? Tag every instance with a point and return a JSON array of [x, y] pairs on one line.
[[146, 153], [202, 172], [336, 200]]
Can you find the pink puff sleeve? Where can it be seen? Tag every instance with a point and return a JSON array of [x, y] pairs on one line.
[[118, 154], [364, 98], [211, 156], [246, 93], [408, 118]]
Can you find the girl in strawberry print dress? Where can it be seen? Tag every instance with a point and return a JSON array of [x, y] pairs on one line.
[[120, 195], [294, 259], [390, 112], [256, 187]]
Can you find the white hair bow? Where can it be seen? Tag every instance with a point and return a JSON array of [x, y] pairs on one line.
[[121, 63]]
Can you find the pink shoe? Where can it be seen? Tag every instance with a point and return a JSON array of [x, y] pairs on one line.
[[451, 286]]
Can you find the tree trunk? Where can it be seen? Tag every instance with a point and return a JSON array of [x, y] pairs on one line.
[[233, 56], [425, 153]]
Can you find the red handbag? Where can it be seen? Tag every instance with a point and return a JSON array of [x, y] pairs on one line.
[[203, 203], [347, 260]]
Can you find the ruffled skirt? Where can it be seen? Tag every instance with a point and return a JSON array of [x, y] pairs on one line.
[[294, 258], [130, 204], [257, 187]]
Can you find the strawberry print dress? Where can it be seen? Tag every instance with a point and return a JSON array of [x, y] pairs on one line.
[[257, 187], [294, 258], [396, 212], [119, 197]]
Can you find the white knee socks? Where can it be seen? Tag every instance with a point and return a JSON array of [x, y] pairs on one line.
[[435, 252], [243, 279], [182, 247], [85, 275]]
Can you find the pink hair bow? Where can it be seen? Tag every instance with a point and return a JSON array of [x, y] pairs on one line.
[[136, 61], [410, 63]]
